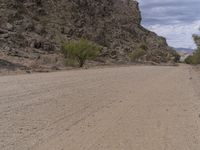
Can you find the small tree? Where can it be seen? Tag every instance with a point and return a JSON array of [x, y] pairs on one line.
[[196, 55], [197, 40], [176, 56], [195, 58], [189, 60], [138, 53], [80, 50]]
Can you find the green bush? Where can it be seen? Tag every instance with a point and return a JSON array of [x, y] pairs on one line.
[[80, 51], [195, 58], [143, 47], [176, 56], [137, 54], [189, 60], [71, 62]]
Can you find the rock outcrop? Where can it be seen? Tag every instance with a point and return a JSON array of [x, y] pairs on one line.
[[31, 30]]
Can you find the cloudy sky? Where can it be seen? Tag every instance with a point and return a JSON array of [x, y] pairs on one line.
[[176, 20]]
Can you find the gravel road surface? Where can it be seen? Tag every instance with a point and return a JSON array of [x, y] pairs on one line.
[[119, 108]]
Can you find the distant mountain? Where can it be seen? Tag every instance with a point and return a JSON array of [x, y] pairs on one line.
[[185, 50], [184, 53]]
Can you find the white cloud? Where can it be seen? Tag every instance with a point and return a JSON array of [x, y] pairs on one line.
[[176, 20], [178, 35]]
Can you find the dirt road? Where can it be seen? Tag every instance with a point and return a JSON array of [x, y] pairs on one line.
[[125, 108]]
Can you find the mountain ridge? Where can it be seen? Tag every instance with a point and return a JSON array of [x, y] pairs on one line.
[[182, 49]]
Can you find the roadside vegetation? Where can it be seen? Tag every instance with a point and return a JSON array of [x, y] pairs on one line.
[[176, 56], [137, 54], [79, 51], [195, 58]]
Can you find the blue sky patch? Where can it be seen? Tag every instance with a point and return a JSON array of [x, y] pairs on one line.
[[176, 20]]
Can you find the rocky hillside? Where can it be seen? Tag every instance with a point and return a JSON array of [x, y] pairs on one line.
[[31, 31]]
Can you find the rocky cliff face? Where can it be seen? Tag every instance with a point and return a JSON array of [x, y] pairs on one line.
[[31, 30]]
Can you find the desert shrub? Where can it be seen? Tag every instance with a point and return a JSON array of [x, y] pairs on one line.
[[80, 51], [137, 54], [70, 62], [143, 47], [195, 58], [176, 56], [189, 60]]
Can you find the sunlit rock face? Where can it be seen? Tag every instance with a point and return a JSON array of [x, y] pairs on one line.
[[31, 30]]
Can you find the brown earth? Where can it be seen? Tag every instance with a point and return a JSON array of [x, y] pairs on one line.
[[125, 108]]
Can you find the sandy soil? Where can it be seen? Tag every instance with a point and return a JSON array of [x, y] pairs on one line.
[[125, 108]]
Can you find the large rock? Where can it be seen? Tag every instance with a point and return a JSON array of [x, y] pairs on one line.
[[39, 26]]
